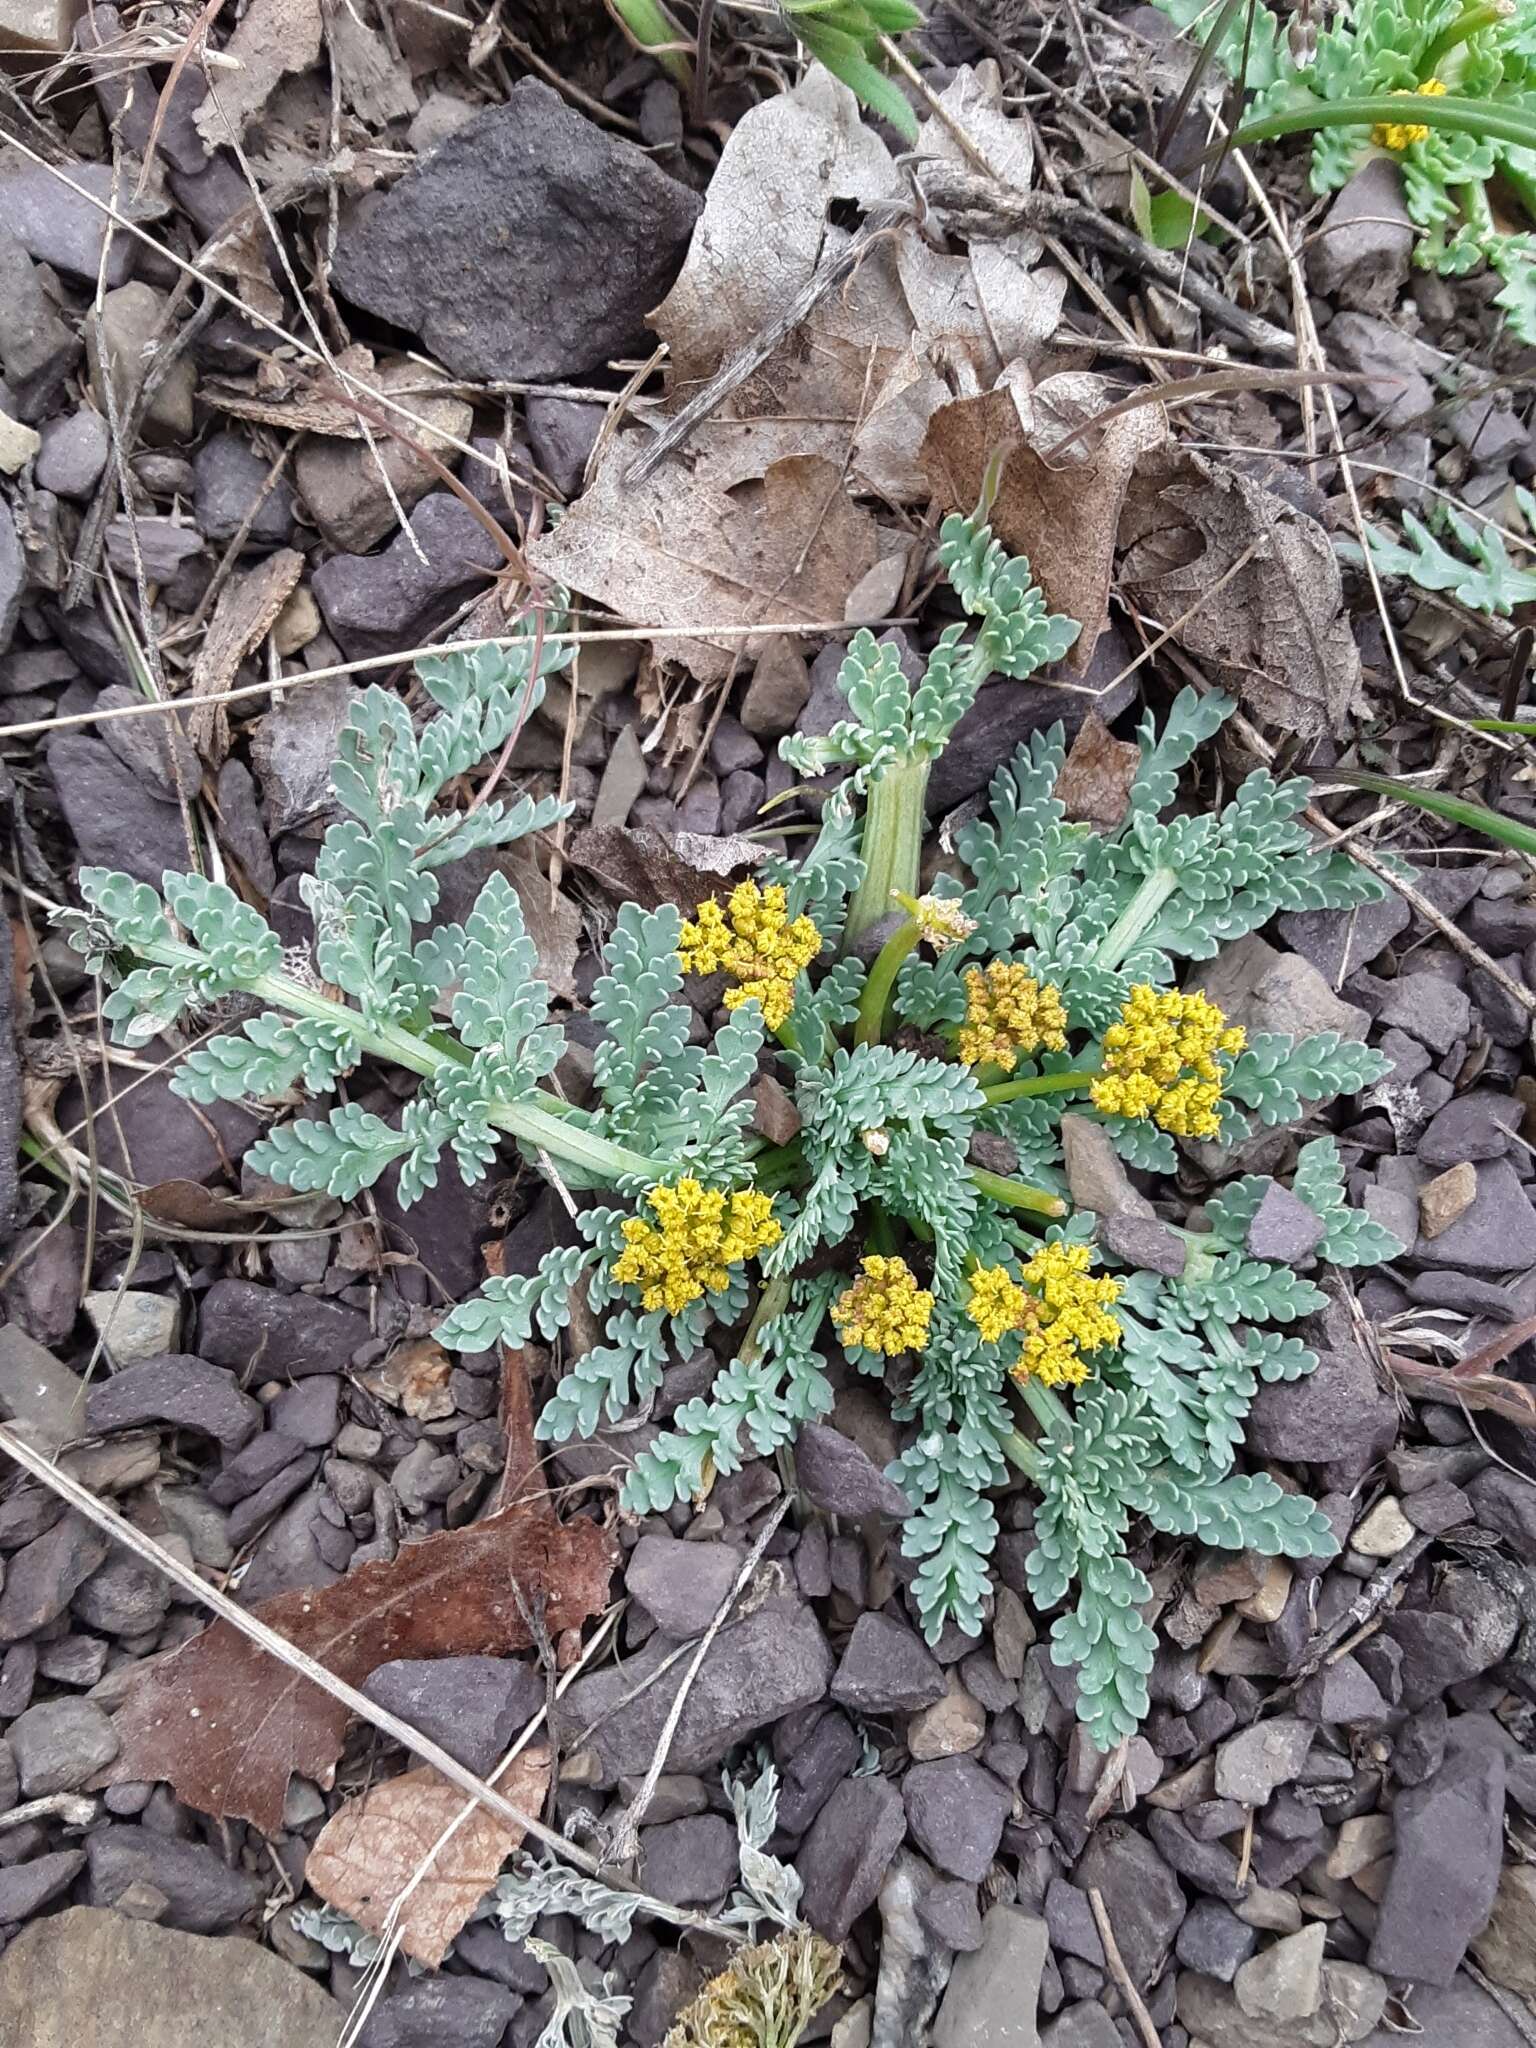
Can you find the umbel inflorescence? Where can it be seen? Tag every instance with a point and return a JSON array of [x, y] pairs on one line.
[[928, 1042]]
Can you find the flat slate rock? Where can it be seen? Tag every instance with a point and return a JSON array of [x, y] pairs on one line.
[[529, 244], [90, 1976]]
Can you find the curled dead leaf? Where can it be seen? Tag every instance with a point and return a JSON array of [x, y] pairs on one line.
[[633, 864], [374, 1847], [1096, 777]]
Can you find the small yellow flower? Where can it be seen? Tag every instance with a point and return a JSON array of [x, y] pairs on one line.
[[703, 1233], [997, 1302], [1399, 135], [755, 941], [1069, 1316], [1009, 1013], [940, 921], [884, 1310], [1161, 1060]]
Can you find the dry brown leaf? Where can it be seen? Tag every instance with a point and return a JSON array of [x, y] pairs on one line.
[[676, 551], [374, 84], [1275, 634], [281, 398], [246, 612], [1096, 777], [366, 1855], [414, 1378], [273, 37], [1061, 510], [243, 253], [635, 865], [192, 1206], [226, 1725]]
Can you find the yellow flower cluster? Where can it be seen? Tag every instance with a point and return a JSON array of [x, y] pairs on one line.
[[939, 920], [1008, 1012], [1061, 1311], [1161, 1061], [703, 1233], [1399, 135], [767, 1995], [884, 1310], [755, 940]]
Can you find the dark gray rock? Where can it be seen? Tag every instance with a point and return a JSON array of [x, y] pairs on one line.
[[665, 1985], [163, 546], [1466, 1294], [1344, 1693], [302, 1548], [250, 1469], [1429, 1008], [308, 1413], [125, 1597], [835, 1474], [1420, 1746], [375, 604], [682, 1585], [1338, 1415], [1457, 2015], [60, 1745], [117, 822], [562, 433], [37, 349], [441, 2012], [44, 1575], [815, 1751], [844, 1858], [255, 1511], [1209, 1866], [153, 749], [65, 228], [1086, 2025], [1359, 259], [689, 1862], [26, 1886], [1141, 1895], [1505, 1502], [1448, 1838], [1003, 715], [1496, 1234], [1069, 1916], [1465, 1631], [1396, 369], [1214, 1941], [955, 1813], [257, 1331], [887, 1665], [1284, 1230], [151, 1135], [758, 1669], [509, 303], [202, 1893], [949, 1911], [1143, 1242], [180, 1389], [230, 475]]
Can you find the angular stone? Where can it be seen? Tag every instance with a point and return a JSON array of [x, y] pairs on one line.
[[1449, 1838], [756, 1671], [510, 305], [256, 1330], [886, 1665], [1284, 1230], [1338, 1414], [67, 229], [1145, 1243], [1384, 1531], [1471, 1127], [163, 1989], [60, 1744], [1266, 990], [1429, 1008], [950, 1727], [948, 1910], [1285, 1983], [44, 1575], [179, 1389], [202, 1893], [993, 1996], [1142, 1897], [1359, 259], [375, 603], [116, 822], [134, 1325], [230, 475], [1253, 1764], [37, 350], [24, 1887], [1096, 1174], [815, 1751], [1342, 1692], [1506, 1948], [689, 1862], [1214, 1941], [1352, 2003], [836, 1475], [844, 1858], [124, 1597], [38, 1394], [340, 481], [441, 2012], [472, 1706], [1082, 2026], [956, 1811], [682, 1585], [1496, 1233], [135, 325], [1467, 1629], [1446, 1199], [73, 454]]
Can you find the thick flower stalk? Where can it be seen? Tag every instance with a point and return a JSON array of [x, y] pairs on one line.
[[1401, 135], [757, 943], [1061, 1310], [1008, 1016], [702, 1233], [1163, 1060], [884, 1310]]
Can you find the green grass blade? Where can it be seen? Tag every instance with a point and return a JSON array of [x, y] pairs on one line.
[[1457, 810], [1460, 115]]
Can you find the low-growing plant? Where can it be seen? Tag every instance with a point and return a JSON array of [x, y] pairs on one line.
[[1467, 559], [918, 1221], [1447, 88]]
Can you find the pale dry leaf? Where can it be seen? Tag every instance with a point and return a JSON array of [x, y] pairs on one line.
[[1061, 510], [676, 551], [226, 1725], [634, 865], [553, 923], [283, 397], [370, 1851], [1276, 633], [246, 612], [374, 84], [1096, 777], [272, 38]]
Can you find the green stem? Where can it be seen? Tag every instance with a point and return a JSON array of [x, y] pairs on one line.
[[1451, 111], [541, 1124], [1137, 918], [1487, 14], [1015, 1194], [892, 849], [1039, 1084], [1048, 1409], [1021, 1452], [882, 979]]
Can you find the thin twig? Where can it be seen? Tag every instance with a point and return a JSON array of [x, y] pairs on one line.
[[1135, 2003]]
